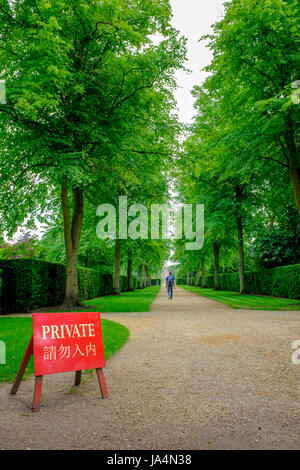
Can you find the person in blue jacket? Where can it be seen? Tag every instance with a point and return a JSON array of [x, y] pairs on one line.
[[170, 285]]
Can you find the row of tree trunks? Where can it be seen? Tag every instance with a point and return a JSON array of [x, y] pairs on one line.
[[216, 250], [201, 273], [143, 281], [117, 271], [293, 161], [73, 228]]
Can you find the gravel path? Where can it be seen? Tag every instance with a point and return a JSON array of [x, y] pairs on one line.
[[195, 374]]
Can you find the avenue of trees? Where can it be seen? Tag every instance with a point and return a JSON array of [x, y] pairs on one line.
[[241, 156], [87, 118]]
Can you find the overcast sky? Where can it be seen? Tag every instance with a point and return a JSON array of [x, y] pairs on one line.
[[194, 19]]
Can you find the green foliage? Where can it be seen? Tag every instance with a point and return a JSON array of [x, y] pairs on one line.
[[255, 64], [17, 250], [16, 285], [89, 101], [280, 244], [88, 283], [277, 247]]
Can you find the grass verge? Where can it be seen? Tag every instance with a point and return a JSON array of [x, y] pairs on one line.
[[246, 301], [16, 333], [138, 301]]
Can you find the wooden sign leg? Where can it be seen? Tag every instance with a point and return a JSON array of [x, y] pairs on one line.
[[24, 363], [37, 393], [77, 378], [102, 383]]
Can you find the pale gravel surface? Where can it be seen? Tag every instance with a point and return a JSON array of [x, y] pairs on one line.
[[195, 374]]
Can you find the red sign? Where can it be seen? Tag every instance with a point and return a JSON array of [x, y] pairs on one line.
[[64, 342]]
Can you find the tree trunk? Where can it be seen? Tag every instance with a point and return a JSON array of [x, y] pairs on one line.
[[241, 254], [72, 233], [129, 272], [147, 277], [188, 279], [294, 165], [140, 275], [117, 268], [203, 274], [216, 248], [192, 279]]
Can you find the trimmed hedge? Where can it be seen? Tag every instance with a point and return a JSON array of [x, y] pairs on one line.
[[283, 281], [27, 284]]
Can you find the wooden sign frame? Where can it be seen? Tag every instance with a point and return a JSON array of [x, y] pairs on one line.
[[39, 379]]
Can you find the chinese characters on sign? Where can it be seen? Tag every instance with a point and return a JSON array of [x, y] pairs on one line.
[[51, 353]]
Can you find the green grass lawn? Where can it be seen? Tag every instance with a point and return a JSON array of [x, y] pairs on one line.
[[137, 301], [16, 333], [247, 301]]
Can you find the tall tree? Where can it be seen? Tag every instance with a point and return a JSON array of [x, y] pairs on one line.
[[255, 70], [77, 76]]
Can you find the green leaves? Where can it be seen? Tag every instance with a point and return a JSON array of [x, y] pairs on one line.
[[244, 143], [89, 102]]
